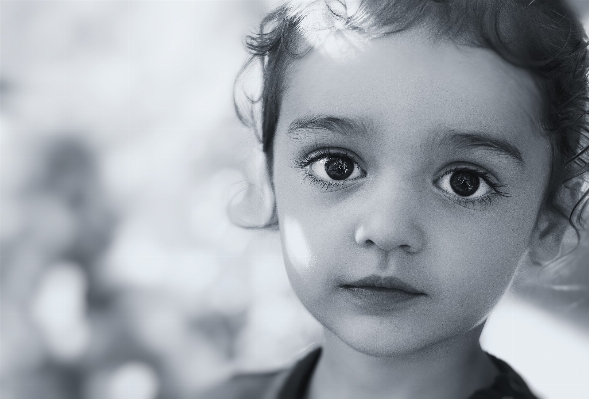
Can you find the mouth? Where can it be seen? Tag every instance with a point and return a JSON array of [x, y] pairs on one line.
[[380, 283], [381, 293]]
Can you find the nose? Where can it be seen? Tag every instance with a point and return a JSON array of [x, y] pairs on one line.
[[391, 219]]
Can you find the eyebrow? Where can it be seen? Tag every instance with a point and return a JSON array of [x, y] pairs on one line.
[[460, 140], [342, 125], [476, 140]]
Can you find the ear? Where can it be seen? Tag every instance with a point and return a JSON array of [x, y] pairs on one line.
[[255, 205], [553, 237]]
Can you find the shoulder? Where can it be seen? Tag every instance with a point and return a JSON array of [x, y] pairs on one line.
[[248, 386], [289, 383], [508, 384]]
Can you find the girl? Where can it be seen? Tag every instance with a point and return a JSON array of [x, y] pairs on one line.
[[417, 154]]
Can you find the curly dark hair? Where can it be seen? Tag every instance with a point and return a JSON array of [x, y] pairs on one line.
[[544, 37]]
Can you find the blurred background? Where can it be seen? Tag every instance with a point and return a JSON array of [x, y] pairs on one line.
[[121, 275]]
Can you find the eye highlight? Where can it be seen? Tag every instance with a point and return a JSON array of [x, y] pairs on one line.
[[469, 186]]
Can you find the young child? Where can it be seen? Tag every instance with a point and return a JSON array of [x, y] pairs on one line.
[[417, 154]]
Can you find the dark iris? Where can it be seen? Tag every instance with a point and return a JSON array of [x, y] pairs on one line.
[[339, 168], [464, 183]]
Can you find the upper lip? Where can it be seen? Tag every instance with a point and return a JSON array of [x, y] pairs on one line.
[[376, 281]]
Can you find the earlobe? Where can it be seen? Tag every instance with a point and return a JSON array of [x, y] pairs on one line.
[[255, 206]]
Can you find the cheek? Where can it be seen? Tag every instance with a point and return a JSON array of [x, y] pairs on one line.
[[480, 258], [312, 241], [307, 232], [305, 258], [315, 240], [296, 245]]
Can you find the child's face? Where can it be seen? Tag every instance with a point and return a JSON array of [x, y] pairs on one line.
[[417, 161]]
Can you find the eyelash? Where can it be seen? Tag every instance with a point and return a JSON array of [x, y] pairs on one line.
[[479, 201], [306, 161]]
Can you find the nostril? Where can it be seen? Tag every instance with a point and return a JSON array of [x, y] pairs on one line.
[[407, 248], [363, 239]]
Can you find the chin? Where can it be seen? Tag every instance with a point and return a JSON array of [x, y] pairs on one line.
[[381, 340], [384, 348], [374, 338]]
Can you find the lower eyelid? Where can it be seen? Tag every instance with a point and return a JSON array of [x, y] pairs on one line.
[[330, 186]]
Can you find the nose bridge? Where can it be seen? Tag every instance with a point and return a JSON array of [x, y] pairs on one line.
[[391, 217]]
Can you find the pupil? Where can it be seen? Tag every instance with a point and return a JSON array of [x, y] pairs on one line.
[[464, 184], [339, 168]]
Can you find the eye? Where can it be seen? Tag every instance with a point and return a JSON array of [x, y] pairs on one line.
[[335, 167], [465, 184]]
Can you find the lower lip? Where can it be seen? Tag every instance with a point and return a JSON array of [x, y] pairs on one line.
[[379, 299]]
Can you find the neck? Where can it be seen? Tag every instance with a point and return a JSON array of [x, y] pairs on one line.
[[450, 370]]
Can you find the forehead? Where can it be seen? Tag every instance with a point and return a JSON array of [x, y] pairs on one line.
[[409, 82]]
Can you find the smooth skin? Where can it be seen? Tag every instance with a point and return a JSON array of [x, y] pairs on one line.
[[407, 112]]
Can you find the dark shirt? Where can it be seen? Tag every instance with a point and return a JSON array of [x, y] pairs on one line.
[[292, 383]]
